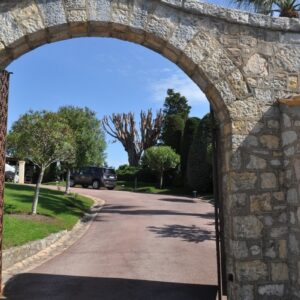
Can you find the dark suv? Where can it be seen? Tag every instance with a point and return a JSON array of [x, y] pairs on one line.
[[94, 176]]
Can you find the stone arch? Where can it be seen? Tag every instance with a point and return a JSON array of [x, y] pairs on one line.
[[169, 30]]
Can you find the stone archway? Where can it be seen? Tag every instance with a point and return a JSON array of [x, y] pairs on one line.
[[243, 63]]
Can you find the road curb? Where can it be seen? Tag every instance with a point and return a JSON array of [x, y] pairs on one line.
[[65, 240]]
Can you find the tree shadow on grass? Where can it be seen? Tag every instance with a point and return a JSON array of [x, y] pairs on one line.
[[48, 199], [60, 287], [192, 234]]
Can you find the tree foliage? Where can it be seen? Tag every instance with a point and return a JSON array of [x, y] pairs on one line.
[[123, 128], [199, 164], [173, 131], [43, 138], [176, 104], [88, 135], [285, 8], [176, 111], [160, 159], [190, 128]]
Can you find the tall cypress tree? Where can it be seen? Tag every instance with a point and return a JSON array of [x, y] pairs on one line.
[[190, 128], [172, 135], [176, 104], [199, 165]]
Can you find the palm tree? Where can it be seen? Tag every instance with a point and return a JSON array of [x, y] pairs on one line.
[[285, 8]]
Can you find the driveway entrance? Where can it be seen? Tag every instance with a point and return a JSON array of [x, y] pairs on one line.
[[139, 247]]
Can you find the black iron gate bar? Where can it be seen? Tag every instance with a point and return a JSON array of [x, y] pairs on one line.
[[219, 223]]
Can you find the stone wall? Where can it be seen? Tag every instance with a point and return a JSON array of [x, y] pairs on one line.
[[243, 62], [18, 254]]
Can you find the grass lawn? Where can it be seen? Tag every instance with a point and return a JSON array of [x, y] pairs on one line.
[[56, 212], [143, 187]]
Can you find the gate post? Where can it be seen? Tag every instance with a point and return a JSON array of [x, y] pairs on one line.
[[4, 86]]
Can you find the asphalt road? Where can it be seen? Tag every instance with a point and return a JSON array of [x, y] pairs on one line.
[[140, 247]]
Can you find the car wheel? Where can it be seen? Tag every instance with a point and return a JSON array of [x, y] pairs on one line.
[[110, 188], [72, 183], [96, 184], [85, 186]]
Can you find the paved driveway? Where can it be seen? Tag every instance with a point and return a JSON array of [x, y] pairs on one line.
[[140, 247]]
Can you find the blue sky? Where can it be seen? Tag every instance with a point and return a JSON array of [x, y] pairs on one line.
[[104, 74]]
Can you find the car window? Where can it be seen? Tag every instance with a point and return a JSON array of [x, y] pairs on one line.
[[84, 171], [109, 172]]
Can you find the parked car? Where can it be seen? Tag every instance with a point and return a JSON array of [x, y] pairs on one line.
[[9, 176], [94, 176]]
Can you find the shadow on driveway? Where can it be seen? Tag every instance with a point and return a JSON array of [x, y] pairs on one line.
[[60, 287], [191, 234], [127, 210]]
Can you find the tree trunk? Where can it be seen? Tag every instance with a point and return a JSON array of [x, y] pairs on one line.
[[133, 158], [67, 191], [37, 191], [161, 179]]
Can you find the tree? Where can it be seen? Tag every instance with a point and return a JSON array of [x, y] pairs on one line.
[[160, 159], [285, 8], [43, 138], [89, 138], [175, 104], [173, 131], [122, 127], [190, 128], [199, 165], [176, 111]]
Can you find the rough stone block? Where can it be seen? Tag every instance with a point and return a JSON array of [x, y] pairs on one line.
[[243, 181], [282, 248], [270, 141], [279, 271], [162, 23], [75, 4], [78, 15], [257, 65], [293, 244], [286, 121], [292, 195], [52, 11], [256, 163], [279, 232], [246, 292], [10, 31], [288, 137], [279, 196], [239, 249], [28, 16], [247, 227], [99, 10], [271, 290], [260, 203], [251, 270], [268, 180]]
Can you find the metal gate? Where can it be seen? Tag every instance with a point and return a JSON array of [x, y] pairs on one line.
[[219, 221], [4, 87]]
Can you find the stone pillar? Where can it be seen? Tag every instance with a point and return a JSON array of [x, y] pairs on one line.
[[21, 171], [255, 210], [290, 132], [4, 85]]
